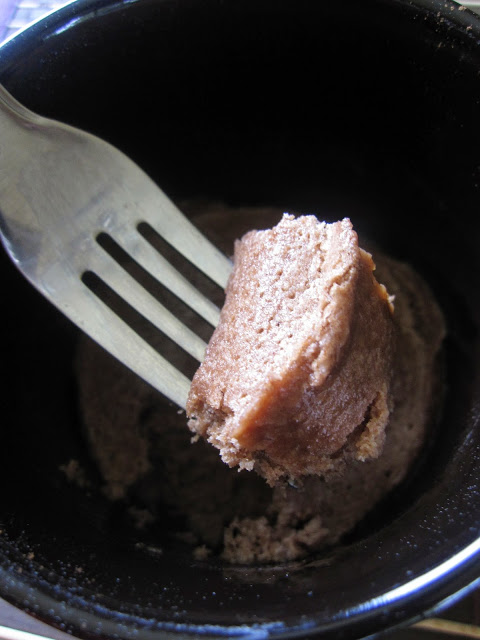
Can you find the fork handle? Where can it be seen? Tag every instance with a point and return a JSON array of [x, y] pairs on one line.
[[11, 108]]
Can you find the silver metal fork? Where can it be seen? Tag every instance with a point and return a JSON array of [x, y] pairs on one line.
[[59, 189]]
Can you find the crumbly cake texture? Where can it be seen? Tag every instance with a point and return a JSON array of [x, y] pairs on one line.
[[144, 453], [296, 376]]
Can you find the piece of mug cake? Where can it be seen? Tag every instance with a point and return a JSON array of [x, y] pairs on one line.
[[296, 376]]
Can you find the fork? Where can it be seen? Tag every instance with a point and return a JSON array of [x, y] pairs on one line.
[[62, 188]]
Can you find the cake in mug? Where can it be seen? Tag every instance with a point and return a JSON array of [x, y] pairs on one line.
[[143, 448]]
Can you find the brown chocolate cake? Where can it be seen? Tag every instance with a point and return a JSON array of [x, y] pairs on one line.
[[143, 448], [296, 376]]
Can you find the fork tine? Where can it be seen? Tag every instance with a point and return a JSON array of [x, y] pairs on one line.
[[137, 297], [172, 225], [157, 266], [103, 325], [127, 346]]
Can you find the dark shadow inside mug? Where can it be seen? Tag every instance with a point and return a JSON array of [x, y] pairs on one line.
[[368, 110]]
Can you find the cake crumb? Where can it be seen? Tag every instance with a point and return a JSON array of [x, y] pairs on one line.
[[141, 517], [202, 552], [75, 473]]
